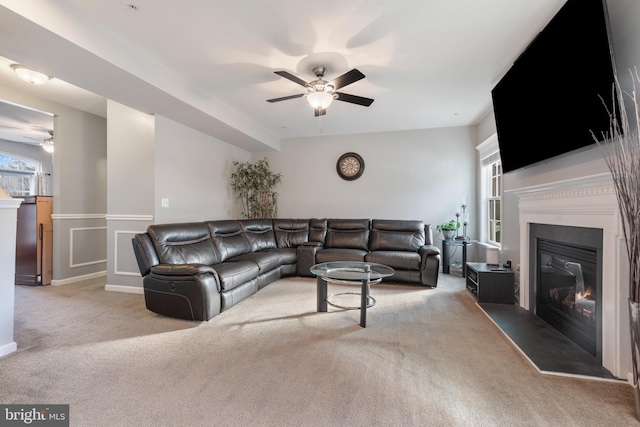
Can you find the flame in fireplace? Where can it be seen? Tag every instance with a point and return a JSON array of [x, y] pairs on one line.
[[585, 294]]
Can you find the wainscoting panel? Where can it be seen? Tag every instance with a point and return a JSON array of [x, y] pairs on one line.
[[87, 246], [125, 260], [80, 247], [123, 274]]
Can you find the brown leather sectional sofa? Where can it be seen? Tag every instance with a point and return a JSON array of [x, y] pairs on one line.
[[197, 270]]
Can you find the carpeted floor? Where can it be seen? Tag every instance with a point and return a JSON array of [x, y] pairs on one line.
[[428, 357]]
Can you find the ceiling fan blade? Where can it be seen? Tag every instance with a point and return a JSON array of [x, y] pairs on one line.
[[320, 112], [284, 98], [347, 78], [291, 77], [34, 142], [354, 99]]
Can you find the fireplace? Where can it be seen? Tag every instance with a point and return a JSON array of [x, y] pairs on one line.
[[586, 202], [568, 277]]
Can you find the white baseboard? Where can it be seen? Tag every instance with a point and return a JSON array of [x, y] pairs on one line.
[[8, 348], [78, 278], [126, 289]]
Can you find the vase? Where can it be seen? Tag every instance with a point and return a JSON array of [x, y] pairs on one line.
[[448, 234], [634, 326]]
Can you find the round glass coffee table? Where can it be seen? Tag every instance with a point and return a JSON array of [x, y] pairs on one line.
[[349, 272]]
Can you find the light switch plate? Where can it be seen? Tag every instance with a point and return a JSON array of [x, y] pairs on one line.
[[165, 203]]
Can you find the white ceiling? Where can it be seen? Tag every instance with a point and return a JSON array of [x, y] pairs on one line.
[[210, 64]]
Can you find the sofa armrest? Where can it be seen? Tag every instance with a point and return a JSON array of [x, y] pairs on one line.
[[306, 254], [144, 252], [429, 250], [315, 244], [183, 296], [430, 265], [181, 269]]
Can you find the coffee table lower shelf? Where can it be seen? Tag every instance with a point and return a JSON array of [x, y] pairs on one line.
[[370, 301]]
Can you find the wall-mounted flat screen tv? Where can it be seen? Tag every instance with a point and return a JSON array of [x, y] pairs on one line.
[[551, 99]]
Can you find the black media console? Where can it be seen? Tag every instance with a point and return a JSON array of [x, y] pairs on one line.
[[490, 283]]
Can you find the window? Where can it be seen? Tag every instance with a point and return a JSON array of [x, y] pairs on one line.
[[18, 174], [490, 191], [494, 191]]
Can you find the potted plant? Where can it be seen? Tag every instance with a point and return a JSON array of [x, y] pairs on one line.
[[254, 185], [448, 229]]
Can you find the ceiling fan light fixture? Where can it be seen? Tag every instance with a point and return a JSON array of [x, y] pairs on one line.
[[47, 145], [320, 99], [29, 75], [321, 93]]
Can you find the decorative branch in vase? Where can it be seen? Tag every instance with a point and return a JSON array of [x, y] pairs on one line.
[[621, 151]]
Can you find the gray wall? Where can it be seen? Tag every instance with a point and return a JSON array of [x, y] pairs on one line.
[[192, 171], [130, 194], [408, 175], [151, 158], [79, 189]]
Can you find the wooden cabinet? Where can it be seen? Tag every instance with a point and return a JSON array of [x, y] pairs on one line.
[[489, 283], [34, 241]]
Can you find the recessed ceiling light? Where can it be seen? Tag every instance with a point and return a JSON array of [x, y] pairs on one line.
[[29, 75]]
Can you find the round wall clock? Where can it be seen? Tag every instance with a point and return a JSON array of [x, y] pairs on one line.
[[350, 166]]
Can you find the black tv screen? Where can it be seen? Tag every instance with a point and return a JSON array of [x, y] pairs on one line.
[[549, 101]]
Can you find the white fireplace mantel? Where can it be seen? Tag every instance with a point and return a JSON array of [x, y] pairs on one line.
[[585, 202]]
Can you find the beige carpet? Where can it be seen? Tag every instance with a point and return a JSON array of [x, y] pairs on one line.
[[428, 357]]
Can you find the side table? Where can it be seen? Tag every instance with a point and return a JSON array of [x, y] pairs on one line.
[[446, 255]]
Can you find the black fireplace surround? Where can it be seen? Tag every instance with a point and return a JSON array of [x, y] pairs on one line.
[[566, 278]]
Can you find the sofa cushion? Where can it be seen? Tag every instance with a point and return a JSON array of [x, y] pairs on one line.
[[398, 260], [340, 254], [259, 233], [396, 235], [228, 238], [291, 233], [347, 234], [317, 229], [235, 273], [188, 243], [266, 260], [287, 255]]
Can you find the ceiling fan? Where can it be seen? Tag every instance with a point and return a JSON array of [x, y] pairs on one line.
[[320, 93], [47, 143]]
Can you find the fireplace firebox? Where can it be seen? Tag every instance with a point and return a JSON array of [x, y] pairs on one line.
[[568, 282]]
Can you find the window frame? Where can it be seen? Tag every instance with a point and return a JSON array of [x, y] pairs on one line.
[[489, 153], [25, 190], [494, 199]]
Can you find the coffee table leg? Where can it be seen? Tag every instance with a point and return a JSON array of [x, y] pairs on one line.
[[364, 300], [322, 294]]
